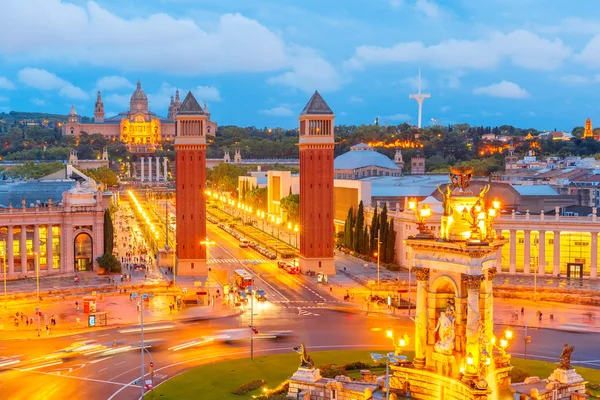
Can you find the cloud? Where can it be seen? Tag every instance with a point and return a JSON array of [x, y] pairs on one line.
[[491, 113], [573, 25], [445, 108], [428, 8], [397, 117], [580, 80], [590, 55], [356, 99], [309, 72], [43, 80], [503, 89], [412, 82], [207, 93], [121, 100], [38, 102], [395, 3], [522, 48], [280, 111], [113, 82], [6, 84], [529, 114], [343, 114]]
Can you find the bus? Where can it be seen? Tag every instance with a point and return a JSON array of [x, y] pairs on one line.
[[243, 279]]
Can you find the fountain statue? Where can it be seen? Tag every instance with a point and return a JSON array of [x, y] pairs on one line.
[[564, 360], [445, 329], [305, 360]]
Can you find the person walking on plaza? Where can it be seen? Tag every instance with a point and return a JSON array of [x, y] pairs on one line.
[[47, 330], [522, 311], [76, 305]]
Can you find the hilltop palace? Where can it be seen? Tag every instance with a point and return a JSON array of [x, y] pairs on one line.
[[140, 129]]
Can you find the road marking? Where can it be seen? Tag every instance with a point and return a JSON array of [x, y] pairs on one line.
[[40, 366], [121, 363], [98, 360], [103, 369], [106, 334], [306, 313], [83, 379]]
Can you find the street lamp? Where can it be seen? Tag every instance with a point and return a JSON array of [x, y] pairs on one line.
[[4, 268], [399, 344], [142, 297], [422, 213], [388, 357]]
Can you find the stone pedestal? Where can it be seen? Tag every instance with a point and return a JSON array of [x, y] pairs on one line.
[[565, 376], [308, 375]]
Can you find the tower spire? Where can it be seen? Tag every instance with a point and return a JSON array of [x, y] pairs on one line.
[[419, 97]]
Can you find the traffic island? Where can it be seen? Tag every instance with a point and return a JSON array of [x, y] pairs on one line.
[[352, 369]]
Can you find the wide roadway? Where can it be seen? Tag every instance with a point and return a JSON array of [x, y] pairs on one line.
[[295, 304]]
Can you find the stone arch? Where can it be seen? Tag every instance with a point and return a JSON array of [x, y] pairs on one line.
[[444, 285], [83, 250]]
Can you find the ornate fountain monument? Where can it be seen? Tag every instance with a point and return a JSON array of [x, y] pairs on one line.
[[457, 355]]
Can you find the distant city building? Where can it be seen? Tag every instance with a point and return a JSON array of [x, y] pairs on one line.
[[141, 129], [417, 164], [363, 161]]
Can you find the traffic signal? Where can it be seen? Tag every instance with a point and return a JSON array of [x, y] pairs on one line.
[[528, 339]]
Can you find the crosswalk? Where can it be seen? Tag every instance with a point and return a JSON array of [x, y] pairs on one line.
[[237, 260]]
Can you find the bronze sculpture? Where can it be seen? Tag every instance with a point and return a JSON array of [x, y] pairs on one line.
[[305, 360], [564, 360]]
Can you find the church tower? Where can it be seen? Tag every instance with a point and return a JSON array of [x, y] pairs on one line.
[[398, 158], [99, 109], [316, 145], [190, 180], [177, 103], [588, 132], [171, 113], [72, 125]]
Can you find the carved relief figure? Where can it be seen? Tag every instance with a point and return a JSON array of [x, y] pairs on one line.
[[305, 360], [445, 329]]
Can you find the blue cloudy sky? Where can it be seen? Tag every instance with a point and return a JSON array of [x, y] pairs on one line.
[[530, 63]]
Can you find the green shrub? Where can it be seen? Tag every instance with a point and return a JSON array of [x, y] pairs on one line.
[[331, 371], [248, 387], [518, 375], [357, 365]]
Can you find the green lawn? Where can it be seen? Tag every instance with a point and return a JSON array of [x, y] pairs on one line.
[[216, 381]]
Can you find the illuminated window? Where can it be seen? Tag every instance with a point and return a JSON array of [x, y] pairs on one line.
[[56, 247], [17, 249]]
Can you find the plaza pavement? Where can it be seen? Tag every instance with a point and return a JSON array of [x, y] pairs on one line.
[[355, 279]]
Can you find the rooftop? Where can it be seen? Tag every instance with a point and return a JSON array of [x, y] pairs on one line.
[[535, 190], [316, 106], [361, 156]]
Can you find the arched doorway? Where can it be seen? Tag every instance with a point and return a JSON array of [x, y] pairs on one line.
[[84, 257]]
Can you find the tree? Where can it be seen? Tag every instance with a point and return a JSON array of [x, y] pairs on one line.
[[103, 175], [291, 205], [391, 243], [109, 232], [383, 232], [348, 240], [110, 262], [359, 224], [374, 230], [31, 170], [257, 198]]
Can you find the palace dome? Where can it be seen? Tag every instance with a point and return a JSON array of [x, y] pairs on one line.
[[363, 155], [139, 100]]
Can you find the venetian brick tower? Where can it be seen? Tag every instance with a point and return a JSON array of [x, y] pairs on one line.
[[190, 166], [316, 186]]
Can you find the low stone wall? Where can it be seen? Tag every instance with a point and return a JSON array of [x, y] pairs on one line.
[[423, 384], [561, 385], [341, 388]]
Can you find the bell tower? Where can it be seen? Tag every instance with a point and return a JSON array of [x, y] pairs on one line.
[[99, 109], [190, 180], [316, 145]]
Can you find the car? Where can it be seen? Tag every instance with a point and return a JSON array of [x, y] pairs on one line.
[[281, 264], [260, 295], [249, 289], [242, 297], [244, 242]]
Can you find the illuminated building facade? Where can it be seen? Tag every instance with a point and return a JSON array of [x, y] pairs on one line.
[[190, 183], [59, 220], [141, 129], [316, 145]]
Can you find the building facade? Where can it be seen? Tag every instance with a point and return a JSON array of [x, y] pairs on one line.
[[363, 161], [139, 128], [64, 234]]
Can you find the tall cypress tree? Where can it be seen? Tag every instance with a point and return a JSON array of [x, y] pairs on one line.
[[391, 242], [108, 233], [383, 232], [359, 224], [348, 241], [374, 230], [365, 249]]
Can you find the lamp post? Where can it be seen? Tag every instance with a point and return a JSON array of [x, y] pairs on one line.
[[37, 284], [4, 268], [142, 297], [378, 264]]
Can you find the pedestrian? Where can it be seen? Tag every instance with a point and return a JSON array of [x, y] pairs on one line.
[[27, 322], [77, 321], [76, 305], [31, 321], [22, 317], [330, 288], [47, 330], [522, 310]]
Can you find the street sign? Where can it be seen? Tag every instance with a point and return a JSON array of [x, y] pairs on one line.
[[91, 320]]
